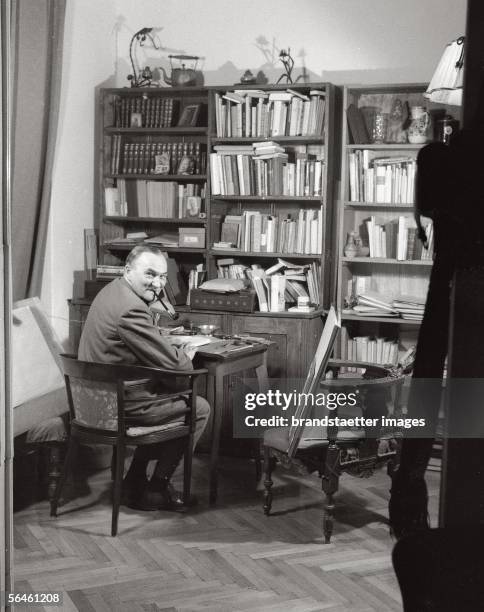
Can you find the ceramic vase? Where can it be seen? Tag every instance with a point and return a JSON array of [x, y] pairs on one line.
[[351, 248], [419, 129]]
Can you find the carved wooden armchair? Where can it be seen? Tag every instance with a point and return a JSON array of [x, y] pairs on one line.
[[330, 451]]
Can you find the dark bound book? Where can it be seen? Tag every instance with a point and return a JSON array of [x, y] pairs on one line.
[[356, 125]]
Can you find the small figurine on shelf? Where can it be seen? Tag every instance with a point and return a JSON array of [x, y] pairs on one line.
[[140, 78], [247, 78], [397, 119]]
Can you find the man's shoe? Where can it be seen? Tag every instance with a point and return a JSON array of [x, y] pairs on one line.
[[155, 497], [177, 497], [151, 501]]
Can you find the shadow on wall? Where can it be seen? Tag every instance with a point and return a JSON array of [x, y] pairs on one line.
[[401, 74]]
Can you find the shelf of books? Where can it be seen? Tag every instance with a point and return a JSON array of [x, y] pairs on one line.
[[153, 180], [383, 269], [271, 155]]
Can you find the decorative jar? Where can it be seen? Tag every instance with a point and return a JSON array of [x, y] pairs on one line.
[[419, 129], [351, 248]]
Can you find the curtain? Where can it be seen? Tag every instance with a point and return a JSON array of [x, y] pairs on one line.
[[39, 29]]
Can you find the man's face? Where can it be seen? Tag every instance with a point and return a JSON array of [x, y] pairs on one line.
[[147, 275]]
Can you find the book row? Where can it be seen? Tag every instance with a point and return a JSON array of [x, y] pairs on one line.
[[398, 239], [369, 349], [165, 200], [253, 231], [156, 158], [278, 285], [235, 171], [256, 113], [388, 180], [145, 111]]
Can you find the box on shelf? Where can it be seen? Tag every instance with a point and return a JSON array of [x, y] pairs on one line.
[[191, 237], [240, 301]]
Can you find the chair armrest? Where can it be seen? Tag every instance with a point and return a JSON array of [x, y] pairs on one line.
[[126, 372]]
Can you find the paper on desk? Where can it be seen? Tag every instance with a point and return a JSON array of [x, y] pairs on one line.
[[189, 344], [188, 341]]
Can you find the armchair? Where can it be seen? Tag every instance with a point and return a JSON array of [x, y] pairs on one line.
[[331, 451], [96, 394]]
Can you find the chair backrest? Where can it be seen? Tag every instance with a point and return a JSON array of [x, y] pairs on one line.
[[316, 371], [94, 392]]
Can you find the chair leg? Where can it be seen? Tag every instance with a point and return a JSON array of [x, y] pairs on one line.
[[269, 464], [71, 451], [187, 469], [54, 470], [330, 481], [257, 451], [113, 463], [118, 483]]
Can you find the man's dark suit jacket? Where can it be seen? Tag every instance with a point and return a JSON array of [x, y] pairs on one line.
[[120, 330]]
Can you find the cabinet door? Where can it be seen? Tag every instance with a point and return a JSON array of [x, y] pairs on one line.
[[295, 342], [270, 329]]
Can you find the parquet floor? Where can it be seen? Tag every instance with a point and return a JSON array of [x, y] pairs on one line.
[[227, 558]]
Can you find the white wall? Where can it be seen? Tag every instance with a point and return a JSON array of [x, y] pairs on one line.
[[88, 61], [344, 41]]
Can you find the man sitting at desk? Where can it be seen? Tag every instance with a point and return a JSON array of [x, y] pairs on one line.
[[120, 330]]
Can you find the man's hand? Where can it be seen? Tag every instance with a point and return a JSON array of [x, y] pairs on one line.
[[189, 344], [190, 350]]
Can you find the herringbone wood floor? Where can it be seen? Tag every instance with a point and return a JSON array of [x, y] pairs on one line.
[[227, 558]]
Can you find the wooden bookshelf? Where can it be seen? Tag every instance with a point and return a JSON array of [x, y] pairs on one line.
[[294, 335], [362, 202], [278, 199], [156, 113]]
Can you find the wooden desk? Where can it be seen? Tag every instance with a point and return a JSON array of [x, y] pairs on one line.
[[219, 365]]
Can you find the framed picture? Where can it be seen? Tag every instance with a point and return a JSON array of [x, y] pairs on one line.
[[135, 120], [189, 116], [162, 163], [186, 165]]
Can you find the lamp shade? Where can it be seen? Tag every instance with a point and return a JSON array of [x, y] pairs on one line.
[[446, 84]]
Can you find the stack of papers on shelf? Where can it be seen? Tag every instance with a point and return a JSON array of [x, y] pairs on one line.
[[129, 240], [409, 306], [167, 239], [372, 304]]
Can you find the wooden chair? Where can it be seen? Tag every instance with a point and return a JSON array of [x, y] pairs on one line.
[[39, 400], [97, 399], [331, 451]]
